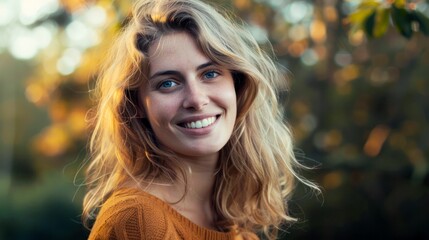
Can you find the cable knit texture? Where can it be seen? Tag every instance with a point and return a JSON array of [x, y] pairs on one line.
[[130, 214]]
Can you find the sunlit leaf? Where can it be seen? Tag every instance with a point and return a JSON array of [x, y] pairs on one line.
[[362, 12], [377, 22], [400, 3], [381, 22], [369, 4], [359, 16], [402, 20]]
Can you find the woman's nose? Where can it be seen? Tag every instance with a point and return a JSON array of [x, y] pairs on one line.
[[195, 96]]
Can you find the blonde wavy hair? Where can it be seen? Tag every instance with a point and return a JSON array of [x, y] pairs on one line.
[[257, 167]]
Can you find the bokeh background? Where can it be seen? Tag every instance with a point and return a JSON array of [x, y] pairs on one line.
[[358, 106]]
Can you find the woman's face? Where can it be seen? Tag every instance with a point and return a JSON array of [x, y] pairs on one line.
[[189, 101]]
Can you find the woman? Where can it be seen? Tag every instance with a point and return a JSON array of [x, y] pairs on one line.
[[188, 140]]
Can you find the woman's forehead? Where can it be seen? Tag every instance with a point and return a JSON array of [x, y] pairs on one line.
[[175, 50]]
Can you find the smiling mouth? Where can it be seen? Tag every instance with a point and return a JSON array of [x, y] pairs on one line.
[[203, 123]]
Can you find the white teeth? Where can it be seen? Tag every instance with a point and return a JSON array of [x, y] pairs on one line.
[[205, 123], [201, 123]]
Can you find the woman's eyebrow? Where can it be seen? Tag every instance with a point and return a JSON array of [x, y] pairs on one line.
[[204, 65], [177, 73], [163, 73]]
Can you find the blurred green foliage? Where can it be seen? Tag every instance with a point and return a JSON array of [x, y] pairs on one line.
[[373, 17], [358, 106], [42, 209]]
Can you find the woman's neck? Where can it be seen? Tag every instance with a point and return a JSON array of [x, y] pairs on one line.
[[201, 175], [197, 204], [193, 197]]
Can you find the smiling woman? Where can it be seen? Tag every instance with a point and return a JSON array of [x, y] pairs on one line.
[[188, 141], [184, 95]]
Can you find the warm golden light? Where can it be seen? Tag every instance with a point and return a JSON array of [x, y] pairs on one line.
[[242, 4], [58, 111], [297, 48], [346, 74], [376, 139], [357, 38], [76, 122], [332, 180], [318, 31], [74, 5], [36, 93], [333, 138], [330, 13], [53, 141]]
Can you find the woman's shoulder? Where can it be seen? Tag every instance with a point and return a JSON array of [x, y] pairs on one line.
[[127, 213], [126, 198], [135, 214], [130, 202]]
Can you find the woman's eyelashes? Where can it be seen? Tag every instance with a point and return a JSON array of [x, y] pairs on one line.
[[211, 74], [169, 84]]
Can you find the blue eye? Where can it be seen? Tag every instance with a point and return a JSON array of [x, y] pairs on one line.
[[167, 84], [211, 74]]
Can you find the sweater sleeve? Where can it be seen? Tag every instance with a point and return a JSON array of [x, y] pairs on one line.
[[129, 219]]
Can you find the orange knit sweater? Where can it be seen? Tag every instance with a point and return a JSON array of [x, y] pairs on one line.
[[130, 214]]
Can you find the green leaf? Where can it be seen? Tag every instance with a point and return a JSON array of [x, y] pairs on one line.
[[423, 22], [400, 3], [369, 24], [402, 20], [362, 12], [359, 16], [381, 22], [377, 23], [369, 4]]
